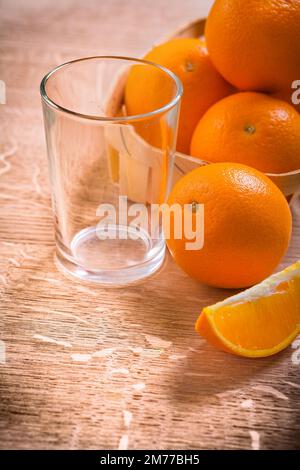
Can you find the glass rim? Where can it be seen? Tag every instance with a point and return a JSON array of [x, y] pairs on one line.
[[136, 117]]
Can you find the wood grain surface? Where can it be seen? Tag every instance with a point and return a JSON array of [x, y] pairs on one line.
[[85, 367]]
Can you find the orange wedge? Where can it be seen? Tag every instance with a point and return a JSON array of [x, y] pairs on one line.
[[259, 321]]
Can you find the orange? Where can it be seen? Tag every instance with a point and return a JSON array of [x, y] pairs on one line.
[[250, 128], [247, 225], [258, 322], [203, 85], [255, 44]]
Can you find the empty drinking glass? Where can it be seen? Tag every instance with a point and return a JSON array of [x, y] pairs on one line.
[[107, 168]]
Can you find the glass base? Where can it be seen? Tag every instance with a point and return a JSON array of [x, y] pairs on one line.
[[114, 261]]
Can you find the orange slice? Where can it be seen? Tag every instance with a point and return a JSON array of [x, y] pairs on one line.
[[259, 321]]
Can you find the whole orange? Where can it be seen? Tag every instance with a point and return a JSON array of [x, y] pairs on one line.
[[247, 225], [250, 128], [203, 85], [255, 43]]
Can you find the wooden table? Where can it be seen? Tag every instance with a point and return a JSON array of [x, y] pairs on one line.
[[154, 383]]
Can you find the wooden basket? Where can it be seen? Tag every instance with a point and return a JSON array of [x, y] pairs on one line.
[[138, 180]]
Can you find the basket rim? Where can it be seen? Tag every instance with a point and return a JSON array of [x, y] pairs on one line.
[[207, 162]]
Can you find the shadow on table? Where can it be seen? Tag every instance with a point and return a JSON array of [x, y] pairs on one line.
[[207, 371]]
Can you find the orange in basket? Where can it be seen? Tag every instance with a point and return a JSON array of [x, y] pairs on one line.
[[255, 43], [247, 225], [250, 128], [203, 85]]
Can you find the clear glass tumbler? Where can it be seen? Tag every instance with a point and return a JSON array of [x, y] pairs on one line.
[[106, 166]]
